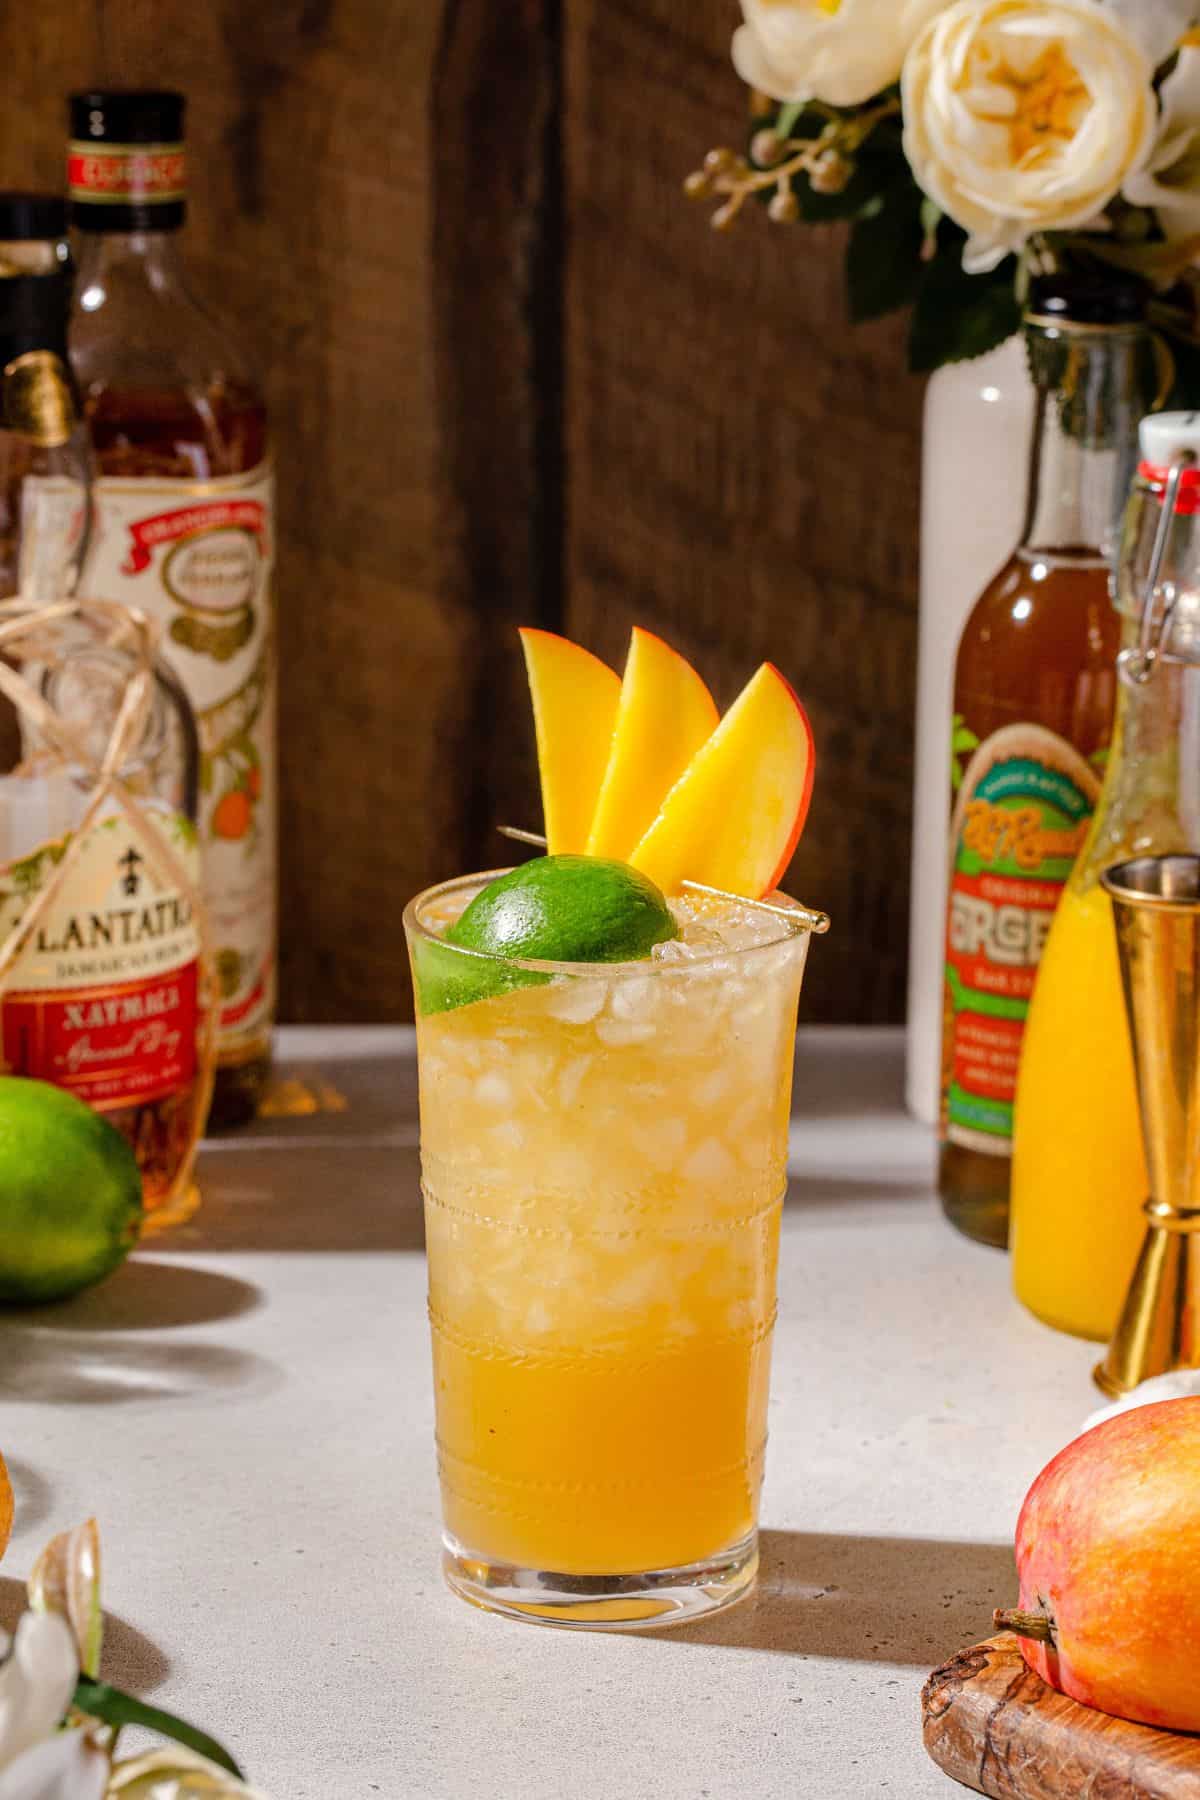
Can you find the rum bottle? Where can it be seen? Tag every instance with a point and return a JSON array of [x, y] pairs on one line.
[[184, 525], [98, 936]]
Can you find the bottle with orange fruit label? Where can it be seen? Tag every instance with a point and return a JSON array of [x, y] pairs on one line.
[[1033, 704]]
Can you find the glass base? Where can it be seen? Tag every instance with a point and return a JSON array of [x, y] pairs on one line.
[[238, 1086], [975, 1190], [983, 1221], [604, 1602]]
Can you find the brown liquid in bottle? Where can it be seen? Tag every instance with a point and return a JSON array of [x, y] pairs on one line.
[[185, 522], [143, 431], [176, 434], [1038, 652]]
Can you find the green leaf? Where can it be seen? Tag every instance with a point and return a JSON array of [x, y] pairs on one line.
[[957, 315], [100, 1701], [883, 259], [964, 740]]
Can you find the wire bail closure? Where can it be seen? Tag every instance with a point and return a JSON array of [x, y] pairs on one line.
[[1137, 664]]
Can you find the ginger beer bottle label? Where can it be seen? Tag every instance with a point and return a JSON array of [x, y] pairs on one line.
[[198, 556], [1021, 814]]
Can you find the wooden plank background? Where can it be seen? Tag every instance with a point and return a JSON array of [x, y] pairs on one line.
[[515, 377]]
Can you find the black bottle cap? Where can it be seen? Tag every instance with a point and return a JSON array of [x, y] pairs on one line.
[[1075, 299], [125, 165], [127, 116], [34, 310], [31, 218]]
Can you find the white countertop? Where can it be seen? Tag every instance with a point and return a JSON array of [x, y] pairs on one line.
[[246, 1406]]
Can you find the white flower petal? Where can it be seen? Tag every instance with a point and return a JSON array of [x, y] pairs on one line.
[[67, 1766], [798, 49], [1024, 116], [36, 1683], [1158, 25], [1169, 181], [983, 254]]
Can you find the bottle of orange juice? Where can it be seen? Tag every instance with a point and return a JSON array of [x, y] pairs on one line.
[[1078, 1178]]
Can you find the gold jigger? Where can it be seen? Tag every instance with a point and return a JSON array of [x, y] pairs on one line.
[[1156, 906]]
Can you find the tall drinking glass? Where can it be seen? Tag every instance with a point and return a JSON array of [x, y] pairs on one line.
[[604, 1157]]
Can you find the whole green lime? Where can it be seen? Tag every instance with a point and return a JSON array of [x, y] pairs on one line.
[[70, 1193], [577, 909]]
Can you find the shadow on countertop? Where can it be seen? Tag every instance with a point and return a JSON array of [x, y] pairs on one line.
[[41, 1365], [817, 1191], [301, 1191], [33, 1497], [334, 1166], [129, 1659], [864, 1599], [89, 1349], [148, 1293]]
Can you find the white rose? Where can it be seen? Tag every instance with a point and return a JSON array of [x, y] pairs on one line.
[[1170, 180], [839, 51], [1024, 116]]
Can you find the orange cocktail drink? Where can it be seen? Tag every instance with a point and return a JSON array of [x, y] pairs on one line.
[[604, 1156]]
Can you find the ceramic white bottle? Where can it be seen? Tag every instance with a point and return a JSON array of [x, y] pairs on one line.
[[978, 417]]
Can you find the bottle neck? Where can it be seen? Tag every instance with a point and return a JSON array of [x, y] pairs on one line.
[[1092, 389], [104, 256]]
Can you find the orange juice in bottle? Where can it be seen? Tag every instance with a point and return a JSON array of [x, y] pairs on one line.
[[1079, 1176]]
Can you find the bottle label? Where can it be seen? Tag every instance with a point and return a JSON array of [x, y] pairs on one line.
[[1020, 818], [125, 174], [198, 557], [53, 519], [103, 996]]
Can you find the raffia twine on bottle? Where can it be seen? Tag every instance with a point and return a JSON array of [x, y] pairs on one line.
[[24, 625]]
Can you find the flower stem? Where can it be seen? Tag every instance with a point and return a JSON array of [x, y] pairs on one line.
[[736, 180]]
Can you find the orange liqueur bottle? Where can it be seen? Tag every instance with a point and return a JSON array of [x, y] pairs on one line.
[[1033, 703], [184, 525]]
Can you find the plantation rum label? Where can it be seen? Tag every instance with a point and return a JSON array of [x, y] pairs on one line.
[[102, 996]]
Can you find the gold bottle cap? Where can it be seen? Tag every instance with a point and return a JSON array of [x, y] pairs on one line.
[[37, 399]]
